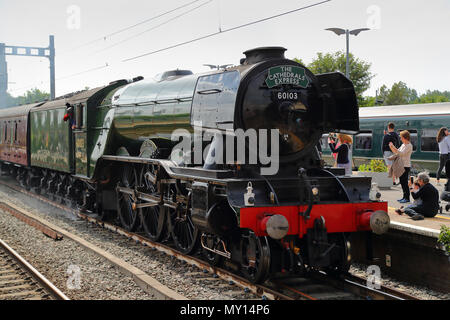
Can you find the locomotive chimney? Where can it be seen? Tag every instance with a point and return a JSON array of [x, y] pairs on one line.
[[265, 53]]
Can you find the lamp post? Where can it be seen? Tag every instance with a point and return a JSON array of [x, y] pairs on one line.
[[347, 32]]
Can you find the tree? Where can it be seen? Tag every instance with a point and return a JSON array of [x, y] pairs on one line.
[[299, 61], [399, 94], [368, 102], [433, 97], [382, 94], [32, 96], [10, 100], [359, 70]]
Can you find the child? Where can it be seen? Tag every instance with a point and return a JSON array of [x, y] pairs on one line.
[[416, 202]]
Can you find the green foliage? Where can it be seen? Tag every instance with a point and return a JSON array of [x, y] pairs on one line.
[[444, 238], [400, 94], [299, 61], [359, 70], [434, 97], [368, 102], [331, 62], [374, 166], [32, 96]]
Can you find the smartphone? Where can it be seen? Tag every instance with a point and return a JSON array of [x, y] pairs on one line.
[[412, 180]]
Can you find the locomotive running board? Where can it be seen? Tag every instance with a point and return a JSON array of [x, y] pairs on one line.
[[176, 172]]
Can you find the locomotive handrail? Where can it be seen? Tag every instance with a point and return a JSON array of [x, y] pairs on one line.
[[301, 175], [339, 182], [210, 91]]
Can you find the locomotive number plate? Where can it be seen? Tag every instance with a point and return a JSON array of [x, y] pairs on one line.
[[278, 96], [287, 95]]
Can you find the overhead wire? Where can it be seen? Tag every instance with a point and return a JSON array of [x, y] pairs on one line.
[[225, 31], [123, 41], [109, 35], [155, 27], [182, 43]]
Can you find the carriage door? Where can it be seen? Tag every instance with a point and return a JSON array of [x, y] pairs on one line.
[[80, 136]]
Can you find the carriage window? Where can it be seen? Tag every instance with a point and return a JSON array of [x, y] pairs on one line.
[[363, 140], [414, 138], [324, 142], [428, 141], [79, 116], [15, 132]]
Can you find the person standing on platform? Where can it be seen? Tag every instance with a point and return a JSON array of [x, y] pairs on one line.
[[405, 151], [343, 152], [334, 139], [393, 137], [443, 139]]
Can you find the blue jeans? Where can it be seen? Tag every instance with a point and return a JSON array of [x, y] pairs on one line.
[[413, 210]]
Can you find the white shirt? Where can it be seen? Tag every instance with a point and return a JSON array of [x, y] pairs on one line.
[[405, 152], [444, 145]]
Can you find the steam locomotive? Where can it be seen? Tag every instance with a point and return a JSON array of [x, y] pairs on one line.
[[116, 156]]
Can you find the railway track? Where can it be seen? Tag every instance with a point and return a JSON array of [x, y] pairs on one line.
[[19, 280], [316, 286], [320, 286]]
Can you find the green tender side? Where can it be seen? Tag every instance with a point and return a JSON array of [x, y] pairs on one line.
[[51, 142]]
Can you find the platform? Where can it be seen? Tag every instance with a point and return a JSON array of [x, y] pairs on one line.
[[409, 250], [428, 227]]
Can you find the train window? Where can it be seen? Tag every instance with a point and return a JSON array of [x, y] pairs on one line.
[[324, 142], [363, 140], [414, 138], [79, 116], [15, 132], [428, 141]]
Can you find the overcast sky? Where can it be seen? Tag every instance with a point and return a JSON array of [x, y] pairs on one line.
[[409, 40]]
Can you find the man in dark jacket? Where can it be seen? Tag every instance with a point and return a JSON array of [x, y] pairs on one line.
[[393, 137], [429, 196]]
